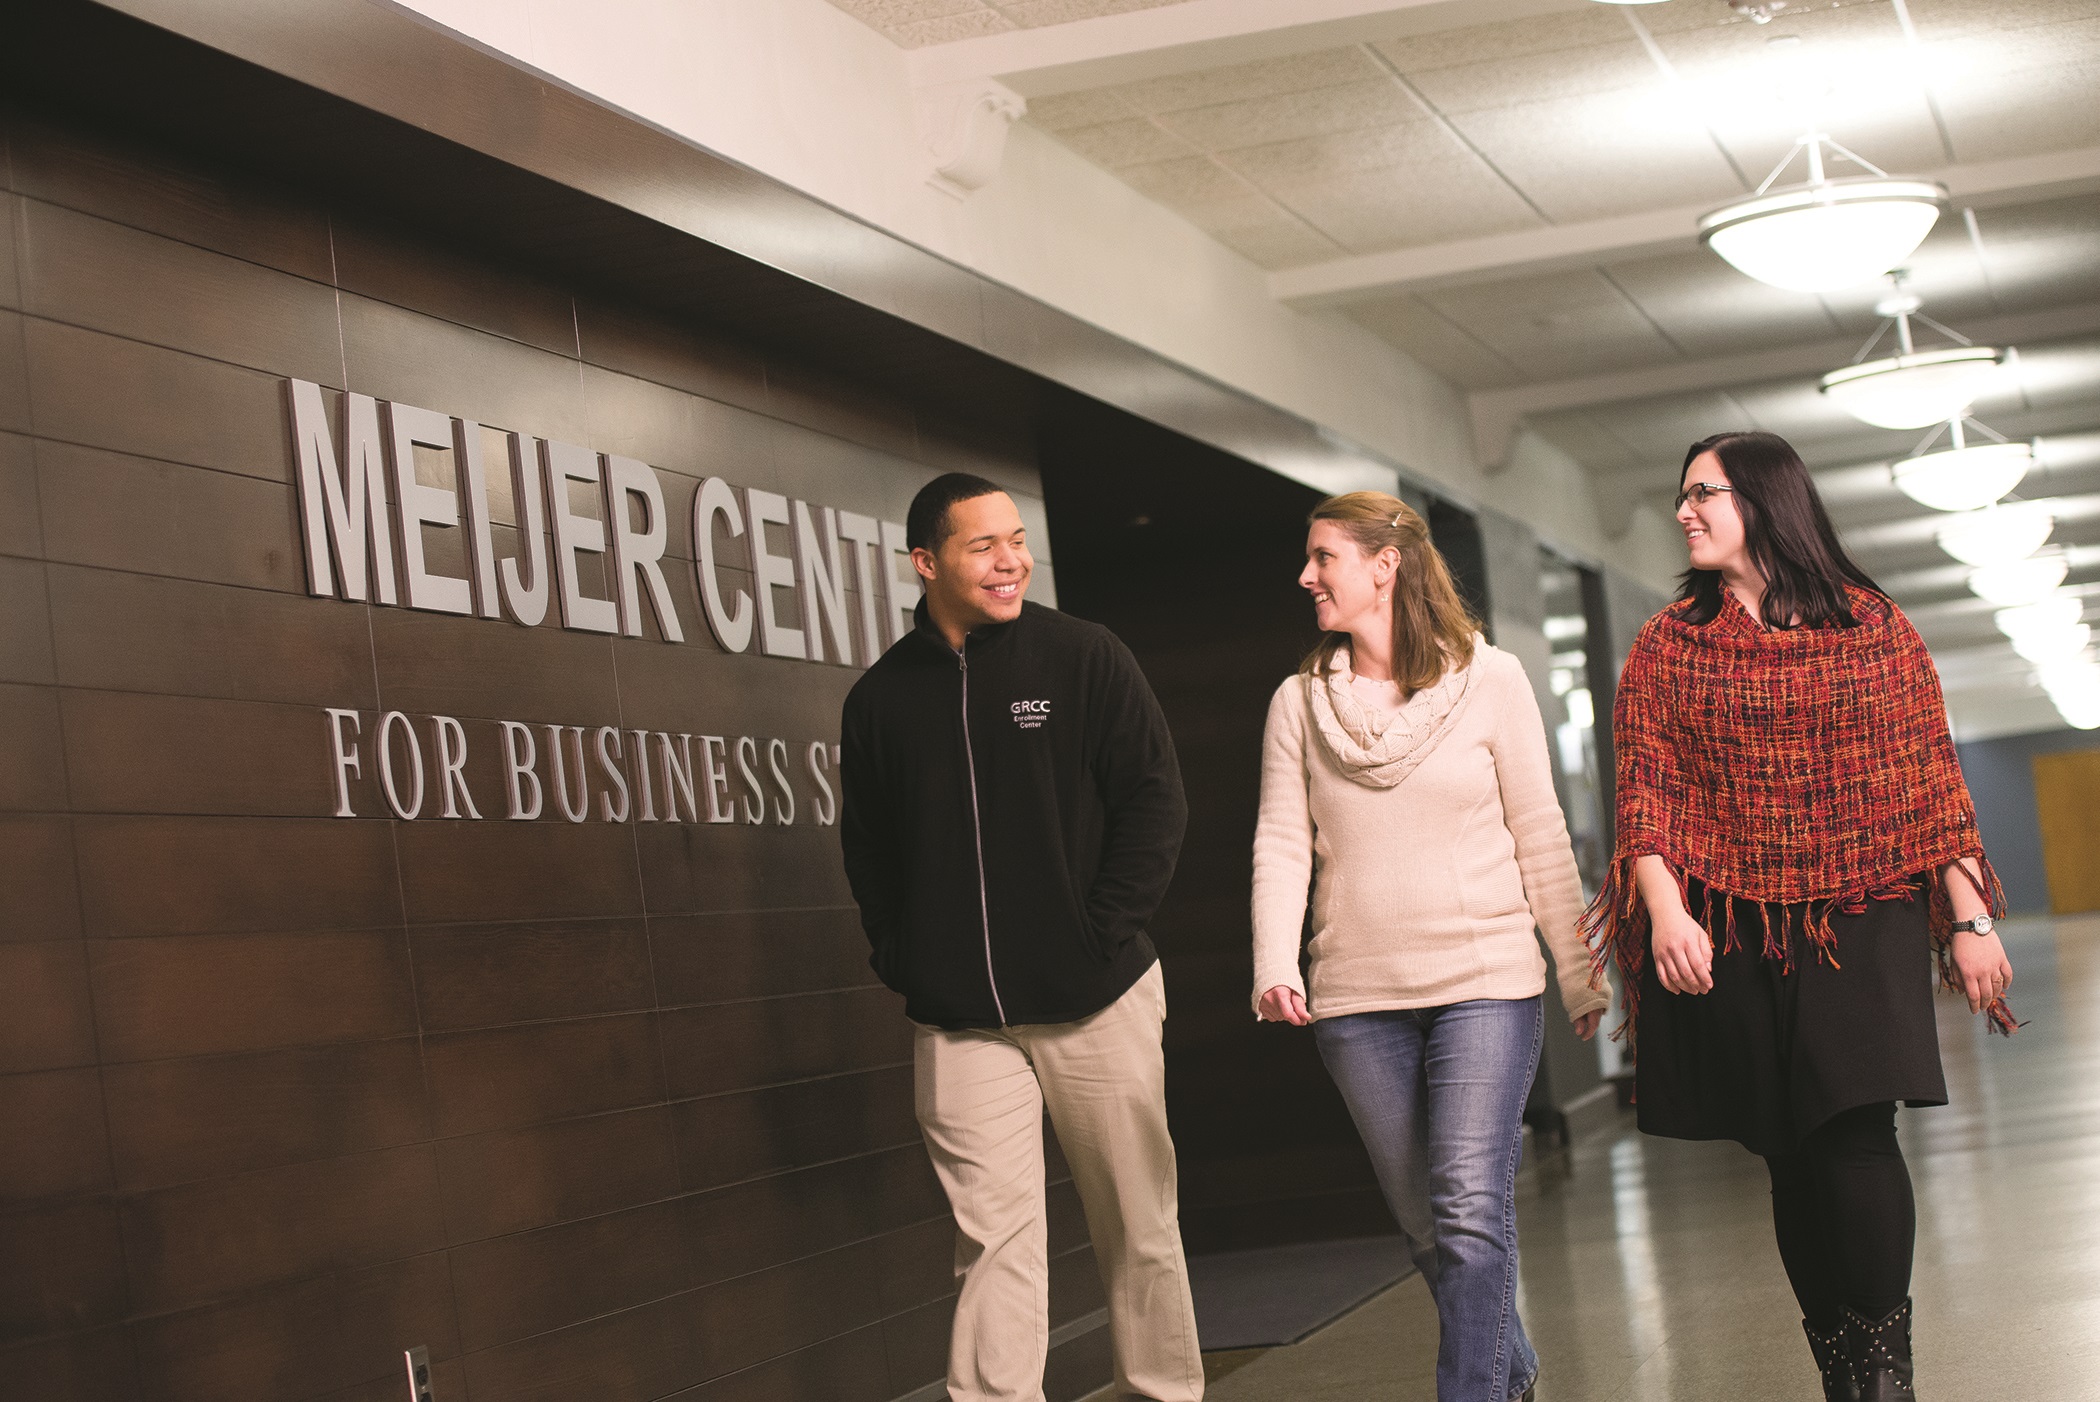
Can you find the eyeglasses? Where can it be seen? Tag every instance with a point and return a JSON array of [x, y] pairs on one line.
[[1700, 493]]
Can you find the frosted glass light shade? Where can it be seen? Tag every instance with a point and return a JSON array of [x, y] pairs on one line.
[[2049, 646], [2080, 713], [1915, 390], [2016, 582], [2055, 614], [1997, 533], [1962, 479], [2072, 678], [1818, 238]]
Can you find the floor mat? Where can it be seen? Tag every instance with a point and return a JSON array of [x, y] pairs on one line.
[[1278, 1294]]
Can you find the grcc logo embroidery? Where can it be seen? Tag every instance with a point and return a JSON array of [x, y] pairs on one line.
[[1030, 715]]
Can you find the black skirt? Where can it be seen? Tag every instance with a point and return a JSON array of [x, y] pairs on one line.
[[1769, 1055]]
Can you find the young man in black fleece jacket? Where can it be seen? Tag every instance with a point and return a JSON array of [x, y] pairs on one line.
[[1012, 814]]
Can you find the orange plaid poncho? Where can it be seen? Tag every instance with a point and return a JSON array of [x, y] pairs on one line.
[[1809, 770]]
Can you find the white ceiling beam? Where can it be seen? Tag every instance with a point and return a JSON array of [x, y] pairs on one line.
[[1497, 413], [1193, 36], [1529, 252]]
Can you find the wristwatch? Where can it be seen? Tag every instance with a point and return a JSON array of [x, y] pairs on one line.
[[1982, 924]]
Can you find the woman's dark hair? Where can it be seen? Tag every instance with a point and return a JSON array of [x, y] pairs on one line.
[[1788, 535]]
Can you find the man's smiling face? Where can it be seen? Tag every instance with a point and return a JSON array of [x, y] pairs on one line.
[[979, 573]]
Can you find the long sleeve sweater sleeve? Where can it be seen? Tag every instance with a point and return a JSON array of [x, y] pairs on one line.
[[1283, 849], [1531, 810]]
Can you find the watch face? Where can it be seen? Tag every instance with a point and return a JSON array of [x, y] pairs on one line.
[[1982, 924]]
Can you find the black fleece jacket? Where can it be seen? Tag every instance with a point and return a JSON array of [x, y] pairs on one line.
[[1021, 897]]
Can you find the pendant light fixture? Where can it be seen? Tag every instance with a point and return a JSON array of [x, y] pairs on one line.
[[1825, 234], [1997, 534], [1962, 476], [2013, 582], [2054, 614], [1913, 388], [2054, 644]]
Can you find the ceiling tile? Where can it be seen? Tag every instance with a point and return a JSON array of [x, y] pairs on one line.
[[1260, 121], [1578, 434], [1486, 43], [1558, 325], [2022, 110], [1709, 308], [1659, 430], [948, 29], [2043, 255], [1269, 239], [1587, 158], [1034, 14], [1078, 109], [1189, 180], [1133, 141], [1508, 82], [1241, 82], [1387, 187], [1436, 342]]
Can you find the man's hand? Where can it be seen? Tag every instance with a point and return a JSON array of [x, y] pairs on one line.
[[1283, 1004], [1586, 1025]]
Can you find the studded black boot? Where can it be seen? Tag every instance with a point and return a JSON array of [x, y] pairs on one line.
[[1879, 1351], [1832, 1363]]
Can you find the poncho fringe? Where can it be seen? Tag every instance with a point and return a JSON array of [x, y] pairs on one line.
[[1803, 771]]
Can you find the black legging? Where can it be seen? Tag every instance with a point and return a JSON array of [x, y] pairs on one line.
[[1846, 1222]]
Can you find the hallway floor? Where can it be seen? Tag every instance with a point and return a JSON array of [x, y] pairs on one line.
[[1649, 1271]]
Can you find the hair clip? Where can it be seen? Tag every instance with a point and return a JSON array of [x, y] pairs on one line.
[[1396, 522]]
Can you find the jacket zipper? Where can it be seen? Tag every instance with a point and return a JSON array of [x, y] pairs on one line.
[[984, 897]]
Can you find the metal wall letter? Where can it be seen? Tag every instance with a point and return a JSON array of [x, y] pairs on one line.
[[825, 804], [901, 597], [519, 757], [638, 555], [715, 755], [344, 756], [754, 796], [472, 478], [342, 506], [863, 537], [776, 760], [566, 463], [678, 777], [452, 767], [731, 625], [558, 771], [823, 582], [416, 504], [525, 581], [775, 638], [609, 761], [641, 775], [386, 764]]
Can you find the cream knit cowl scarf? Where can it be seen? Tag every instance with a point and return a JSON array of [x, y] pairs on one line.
[[1380, 757]]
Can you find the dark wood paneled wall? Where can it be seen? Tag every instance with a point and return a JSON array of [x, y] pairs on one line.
[[603, 1110], [1192, 557]]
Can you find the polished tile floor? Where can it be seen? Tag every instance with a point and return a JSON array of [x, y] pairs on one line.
[[1649, 1271]]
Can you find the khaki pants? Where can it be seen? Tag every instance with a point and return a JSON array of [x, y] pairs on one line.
[[981, 1097]]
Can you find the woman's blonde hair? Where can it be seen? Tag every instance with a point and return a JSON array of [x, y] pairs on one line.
[[1433, 630]]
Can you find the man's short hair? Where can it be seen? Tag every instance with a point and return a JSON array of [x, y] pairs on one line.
[[926, 525]]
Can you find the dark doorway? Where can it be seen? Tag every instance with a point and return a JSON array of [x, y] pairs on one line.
[[1191, 556]]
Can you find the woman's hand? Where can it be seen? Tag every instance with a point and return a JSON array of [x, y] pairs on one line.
[[1684, 952], [1586, 1025], [1985, 971], [1283, 1004]]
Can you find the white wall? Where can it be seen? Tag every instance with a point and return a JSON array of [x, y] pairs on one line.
[[812, 98]]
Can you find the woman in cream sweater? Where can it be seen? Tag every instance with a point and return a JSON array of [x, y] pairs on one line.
[[1405, 785]]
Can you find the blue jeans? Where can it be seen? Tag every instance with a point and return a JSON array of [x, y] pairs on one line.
[[1438, 1096]]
